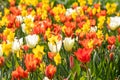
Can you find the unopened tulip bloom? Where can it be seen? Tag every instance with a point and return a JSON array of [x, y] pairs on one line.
[[17, 44], [1, 52], [32, 40], [114, 22], [55, 43], [68, 43], [46, 78], [55, 47]]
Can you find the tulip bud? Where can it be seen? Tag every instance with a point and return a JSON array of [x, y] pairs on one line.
[[68, 43], [46, 78], [25, 47], [111, 55], [114, 22], [55, 47], [71, 61], [17, 44], [32, 40], [1, 61], [1, 52]]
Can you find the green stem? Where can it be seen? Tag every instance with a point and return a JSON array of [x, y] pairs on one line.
[[0, 74], [31, 76], [88, 74]]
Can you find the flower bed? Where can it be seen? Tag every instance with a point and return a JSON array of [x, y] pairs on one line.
[[60, 40]]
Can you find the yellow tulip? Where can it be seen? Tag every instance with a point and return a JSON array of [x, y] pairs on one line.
[[57, 59]]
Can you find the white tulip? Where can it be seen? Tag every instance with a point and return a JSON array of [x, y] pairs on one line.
[[45, 78], [68, 43], [69, 11], [1, 52], [17, 44], [23, 27], [55, 47], [114, 22], [19, 18], [29, 17], [32, 40], [93, 29]]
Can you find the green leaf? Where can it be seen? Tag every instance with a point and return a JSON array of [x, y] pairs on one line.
[[82, 78], [76, 67], [99, 79]]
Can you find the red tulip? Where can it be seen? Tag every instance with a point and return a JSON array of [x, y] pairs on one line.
[[36, 30], [96, 6], [118, 38], [85, 8], [12, 3], [51, 55], [111, 55], [111, 40], [92, 22], [17, 24], [1, 61], [83, 55], [103, 12], [25, 47], [62, 18], [68, 31], [71, 58], [50, 71], [31, 62], [19, 73], [15, 10]]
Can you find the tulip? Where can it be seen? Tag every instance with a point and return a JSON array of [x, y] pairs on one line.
[[1, 52], [57, 59], [32, 40], [31, 62], [83, 55], [17, 44], [55, 47], [23, 27], [1, 61], [46, 78], [69, 11], [68, 43], [111, 55], [19, 73], [71, 60], [111, 40], [51, 55], [19, 18], [50, 71], [114, 22]]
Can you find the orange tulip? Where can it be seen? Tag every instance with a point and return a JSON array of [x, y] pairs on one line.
[[19, 73], [1, 61], [31, 62], [111, 55], [51, 55], [50, 71], [111, 40]]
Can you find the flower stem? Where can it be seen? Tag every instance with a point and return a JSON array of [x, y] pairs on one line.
[[88, 74]]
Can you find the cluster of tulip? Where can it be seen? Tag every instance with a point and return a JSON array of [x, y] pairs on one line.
[[44, 40]]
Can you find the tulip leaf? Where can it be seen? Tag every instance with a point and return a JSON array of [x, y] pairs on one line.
[[76, 67], [83, 78]]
